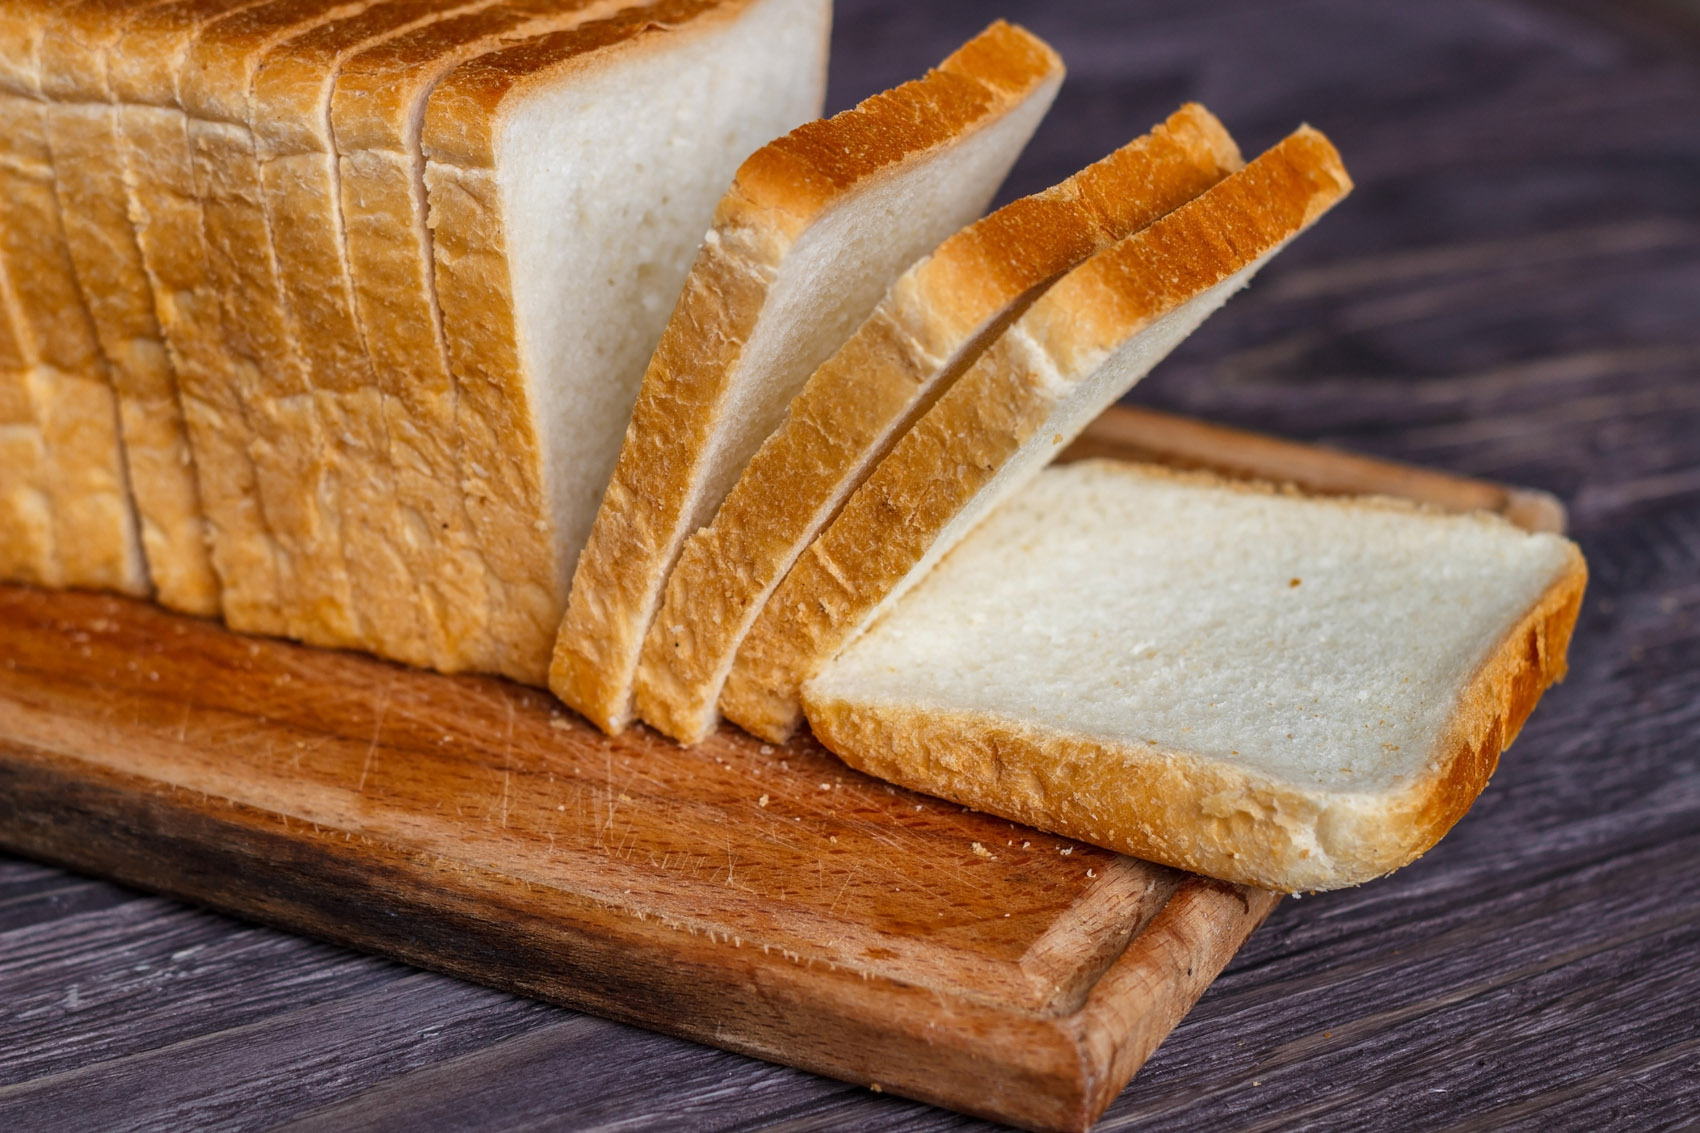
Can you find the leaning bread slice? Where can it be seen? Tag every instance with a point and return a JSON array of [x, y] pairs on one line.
[[929, 327], [1088, 339], [570, 179], [376, 174], [95, 531], [815, 227], [82, 127], [1289, 692]]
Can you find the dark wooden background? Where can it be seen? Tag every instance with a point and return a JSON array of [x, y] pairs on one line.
[[1513, 292]]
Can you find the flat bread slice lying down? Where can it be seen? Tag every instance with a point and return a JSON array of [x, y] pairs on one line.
[[360, 276], [1291, 692], [82, 128], [66, 384], [931, 325], [814, 229], [1082, 345], [570, 179]]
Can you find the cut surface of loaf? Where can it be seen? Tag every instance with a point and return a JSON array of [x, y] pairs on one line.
[[1291, 692], [570, 179], [930, 325], [248, 554], [1077, 349], [97, 543], [377, 114], [82, 128], [813, 230]]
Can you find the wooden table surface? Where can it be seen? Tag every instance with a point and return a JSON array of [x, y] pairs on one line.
[[1513, 292]]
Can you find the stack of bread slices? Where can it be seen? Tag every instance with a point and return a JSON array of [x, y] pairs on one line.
[[498, 336]]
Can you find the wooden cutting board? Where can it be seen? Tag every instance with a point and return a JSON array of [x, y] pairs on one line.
[[768, 901]]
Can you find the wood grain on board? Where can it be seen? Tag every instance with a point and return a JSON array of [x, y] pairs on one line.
[[764, 900]]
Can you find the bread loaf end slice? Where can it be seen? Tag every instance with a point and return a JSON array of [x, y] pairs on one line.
[[570, 180], [1290, 692], [1082, 345], [930, 326], [813, 230]]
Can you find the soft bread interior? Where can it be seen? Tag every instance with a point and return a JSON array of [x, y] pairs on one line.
[[836, 272], [1292, 662], [609, 181]]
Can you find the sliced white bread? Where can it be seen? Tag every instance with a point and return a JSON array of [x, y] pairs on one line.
[[255, 523], [930, 326], [1290, 692], [94, 524], [27, 553], [295, 452], [376, 178], [570, 180], [82, 128], [292, 162], [1077, 349], [804, 244]]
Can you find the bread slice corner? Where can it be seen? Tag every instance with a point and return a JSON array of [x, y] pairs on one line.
[[1285, 691]]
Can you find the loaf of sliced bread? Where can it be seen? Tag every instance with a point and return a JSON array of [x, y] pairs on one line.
[[97, 543], [82, 128], [930, 326], [1290, 692], [1088, 339], [346, 202], [570, 179], [812, 232]]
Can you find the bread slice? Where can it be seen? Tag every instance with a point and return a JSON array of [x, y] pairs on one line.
[[813, 230], [376, 179], [570, 179], [1088, 339], [82, 129], [95, 532], [1289, 692], [929, 327]]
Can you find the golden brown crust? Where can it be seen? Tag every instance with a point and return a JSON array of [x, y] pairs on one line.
[[858, 400], [89, 180], [1209, 817], [95, 534], [778, 192], [996, 408]]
